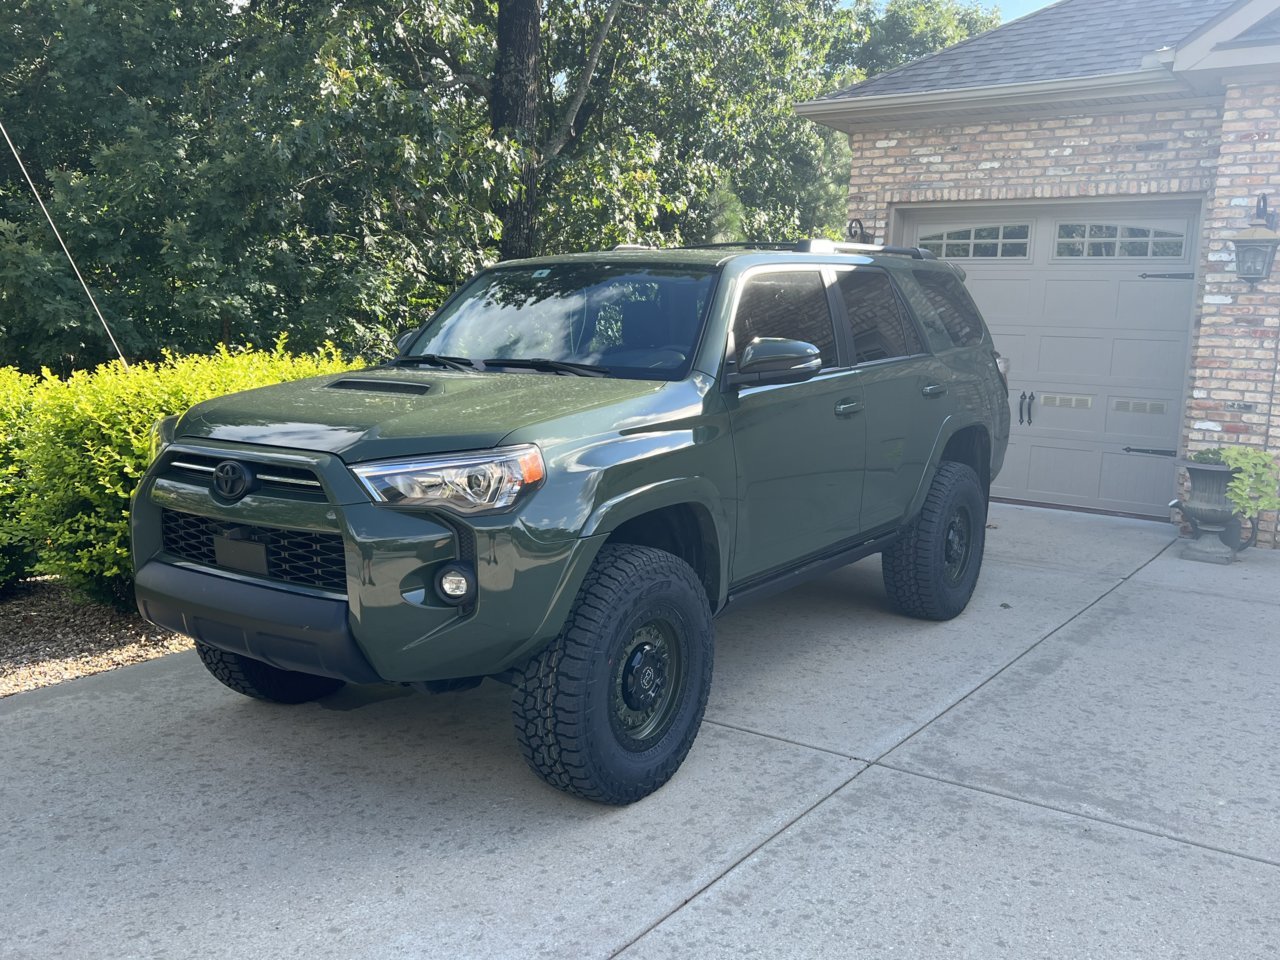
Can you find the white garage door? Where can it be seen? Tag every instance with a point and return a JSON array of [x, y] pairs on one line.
[[1093, 305]]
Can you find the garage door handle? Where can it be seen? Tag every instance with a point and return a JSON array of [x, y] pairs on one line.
[[934, 390], [847, 408]]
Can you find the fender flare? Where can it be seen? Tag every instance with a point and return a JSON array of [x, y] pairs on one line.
[[676, 491]]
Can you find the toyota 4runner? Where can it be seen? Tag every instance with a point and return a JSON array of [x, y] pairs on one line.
[[568, 471]]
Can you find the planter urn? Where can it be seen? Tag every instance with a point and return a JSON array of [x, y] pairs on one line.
[[1214, 524]]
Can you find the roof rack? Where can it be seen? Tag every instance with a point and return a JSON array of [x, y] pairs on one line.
[[818, 245]]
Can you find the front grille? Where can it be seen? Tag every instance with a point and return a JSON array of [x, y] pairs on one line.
[[294, 483], [293, 556]]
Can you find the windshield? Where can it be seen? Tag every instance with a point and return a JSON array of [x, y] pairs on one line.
[[637, 321]]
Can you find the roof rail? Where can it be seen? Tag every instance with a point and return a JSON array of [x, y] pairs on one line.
[[634, 246], [822, 245], [740, 245], [817, 245]]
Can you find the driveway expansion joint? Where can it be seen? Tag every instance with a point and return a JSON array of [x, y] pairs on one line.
[[740, 860], [1093, 818]]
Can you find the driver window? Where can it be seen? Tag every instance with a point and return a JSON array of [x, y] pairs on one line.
[[791, 305]]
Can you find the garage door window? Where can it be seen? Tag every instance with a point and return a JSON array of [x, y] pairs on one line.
[[983, 242], [1117, 240]]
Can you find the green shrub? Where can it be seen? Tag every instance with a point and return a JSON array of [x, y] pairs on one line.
[[16, 554], [87, 443]]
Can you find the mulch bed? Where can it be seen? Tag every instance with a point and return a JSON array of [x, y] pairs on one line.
[[49, 634]]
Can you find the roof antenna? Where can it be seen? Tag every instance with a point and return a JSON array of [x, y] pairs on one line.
[[36, 194]]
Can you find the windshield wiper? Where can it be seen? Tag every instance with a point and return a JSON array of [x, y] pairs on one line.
[[436, 360], [549, 366]]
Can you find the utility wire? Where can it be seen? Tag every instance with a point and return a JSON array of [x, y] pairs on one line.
[[71, 259]]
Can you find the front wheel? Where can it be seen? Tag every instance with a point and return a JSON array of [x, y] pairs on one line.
[[931, 571], [609, 710]]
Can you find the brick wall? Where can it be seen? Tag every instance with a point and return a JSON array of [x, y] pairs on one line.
[[1226, 154], [1124, 154], [1235, 395]]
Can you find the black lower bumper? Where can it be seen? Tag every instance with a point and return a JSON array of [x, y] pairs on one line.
[[287, 630]]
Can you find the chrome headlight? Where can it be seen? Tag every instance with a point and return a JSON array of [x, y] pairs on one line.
[[162, 433], [481, 483]]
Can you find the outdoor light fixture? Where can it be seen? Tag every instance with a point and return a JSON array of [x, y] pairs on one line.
[[1256, 247]]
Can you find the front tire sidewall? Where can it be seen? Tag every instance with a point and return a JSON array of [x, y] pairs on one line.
[[614, 753]]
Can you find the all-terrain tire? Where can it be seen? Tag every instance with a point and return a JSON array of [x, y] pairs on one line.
[[609, 710], [931, 571], [262, 681]]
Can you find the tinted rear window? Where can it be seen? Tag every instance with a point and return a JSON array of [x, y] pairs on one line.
[[877, 325]]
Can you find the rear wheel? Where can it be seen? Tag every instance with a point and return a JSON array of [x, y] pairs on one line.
[[259, 680], [609, 710], [931, 571]]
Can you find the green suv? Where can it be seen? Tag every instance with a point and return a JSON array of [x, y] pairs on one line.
[[568, 471]]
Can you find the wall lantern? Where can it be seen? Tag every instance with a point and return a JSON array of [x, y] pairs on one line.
[[1256, 247]]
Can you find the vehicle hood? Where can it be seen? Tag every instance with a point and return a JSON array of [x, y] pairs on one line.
[[372, 414]]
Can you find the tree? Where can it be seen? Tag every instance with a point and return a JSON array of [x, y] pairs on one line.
[[331, 169]]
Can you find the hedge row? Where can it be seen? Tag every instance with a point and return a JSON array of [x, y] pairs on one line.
[[72, 451]]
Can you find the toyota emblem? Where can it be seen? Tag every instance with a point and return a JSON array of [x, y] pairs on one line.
[[231, 480]]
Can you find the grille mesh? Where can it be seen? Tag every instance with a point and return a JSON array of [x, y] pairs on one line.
[[293, 556]]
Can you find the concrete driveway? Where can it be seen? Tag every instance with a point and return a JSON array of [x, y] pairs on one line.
[[1081, 765]]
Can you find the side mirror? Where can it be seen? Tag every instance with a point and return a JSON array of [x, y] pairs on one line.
[[404, 339], [768, 360]]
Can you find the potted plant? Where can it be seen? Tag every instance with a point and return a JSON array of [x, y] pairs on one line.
[[1228, 485]]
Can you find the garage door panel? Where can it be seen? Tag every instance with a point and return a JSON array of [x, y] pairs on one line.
[[1073, 356], [1002, 298], [1077, 302], [1127, 479], [1103, 349], [1155, 305], [1142, 420], [1146, 361], [1062, 468]]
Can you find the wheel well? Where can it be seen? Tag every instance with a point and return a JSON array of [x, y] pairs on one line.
[[972, 446], [685, 530]]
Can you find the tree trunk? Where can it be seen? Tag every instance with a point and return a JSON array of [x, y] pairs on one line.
[[514, 113]]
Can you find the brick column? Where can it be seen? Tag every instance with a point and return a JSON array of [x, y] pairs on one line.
[[1234, 377]]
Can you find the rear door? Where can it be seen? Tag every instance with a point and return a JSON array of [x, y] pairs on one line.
[[799, 447], [903, 387]]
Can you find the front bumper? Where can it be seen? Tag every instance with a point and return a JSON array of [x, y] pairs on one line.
[[380, 619], [287, 630]]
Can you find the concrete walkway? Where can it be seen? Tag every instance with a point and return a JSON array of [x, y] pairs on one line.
[[1081, 765]]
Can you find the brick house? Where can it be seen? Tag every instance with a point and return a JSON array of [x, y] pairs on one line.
[[1087, 165]]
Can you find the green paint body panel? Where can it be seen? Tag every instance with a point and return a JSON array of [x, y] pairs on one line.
[[778, 473]]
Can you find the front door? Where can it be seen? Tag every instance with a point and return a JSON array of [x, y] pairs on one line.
[[799, 447]]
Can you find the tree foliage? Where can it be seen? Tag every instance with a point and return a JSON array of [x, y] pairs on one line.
[[227, 172]]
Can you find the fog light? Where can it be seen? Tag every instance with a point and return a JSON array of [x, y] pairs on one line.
[[455, 584]]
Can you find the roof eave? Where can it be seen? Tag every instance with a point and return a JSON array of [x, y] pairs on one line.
[[848, 113]]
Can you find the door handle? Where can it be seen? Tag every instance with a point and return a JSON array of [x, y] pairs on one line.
[[1031, 399], [847, 408], [934, 390], [1022, 405]]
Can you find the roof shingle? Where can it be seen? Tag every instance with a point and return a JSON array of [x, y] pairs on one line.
[[1072, 38]]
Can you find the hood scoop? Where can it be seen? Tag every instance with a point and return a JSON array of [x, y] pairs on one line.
[[371, 385]]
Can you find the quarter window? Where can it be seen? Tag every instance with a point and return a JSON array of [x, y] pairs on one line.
[[877, 325], [792, 305], [979, 242], [940, 299], [1117, 240]]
